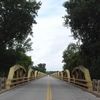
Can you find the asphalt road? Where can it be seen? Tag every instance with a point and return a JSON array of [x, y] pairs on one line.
[[47, 88]]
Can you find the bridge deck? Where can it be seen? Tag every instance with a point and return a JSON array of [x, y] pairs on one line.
[[47, 88]]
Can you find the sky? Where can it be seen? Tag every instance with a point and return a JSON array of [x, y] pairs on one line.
[[50, 37]]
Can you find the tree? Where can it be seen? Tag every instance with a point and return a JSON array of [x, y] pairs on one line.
[[83, 18], [40, 67], [24, 60], [11, 57], [16, 20], [71, 57]]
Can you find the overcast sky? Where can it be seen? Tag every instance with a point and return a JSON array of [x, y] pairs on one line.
[[51, 38]]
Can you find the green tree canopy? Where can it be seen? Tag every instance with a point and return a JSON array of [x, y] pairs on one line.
[[16, 19], [40, 67], [11, 57], [83, 18], [71, 57]]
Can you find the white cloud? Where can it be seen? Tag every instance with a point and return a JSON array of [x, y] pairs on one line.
[[50, 36]]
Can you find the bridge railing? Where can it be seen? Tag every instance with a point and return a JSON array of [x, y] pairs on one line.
[[79, 82], [6, 84], [94, 88], [96, 85], [2, 83], [10, 83], [31, 78], [18, 81]]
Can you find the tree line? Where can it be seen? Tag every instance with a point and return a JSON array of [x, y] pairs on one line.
[[16, 20], [83, 16], [40, 67]]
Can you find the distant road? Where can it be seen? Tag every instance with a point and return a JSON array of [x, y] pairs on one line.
[[47, 88]]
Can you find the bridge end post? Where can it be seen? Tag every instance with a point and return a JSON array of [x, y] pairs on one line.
[[89, 81]]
